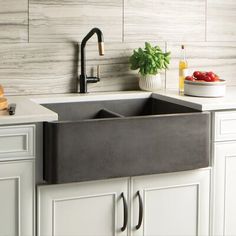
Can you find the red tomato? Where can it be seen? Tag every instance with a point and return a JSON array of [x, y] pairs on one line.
[[190, 78], [197, 74], [213, 76], [208, 78]]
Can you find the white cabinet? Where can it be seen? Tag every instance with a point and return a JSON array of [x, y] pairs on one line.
[[224, 189], [16, 198], [173, 204], [83, 209], [17, 182], [224, 173]]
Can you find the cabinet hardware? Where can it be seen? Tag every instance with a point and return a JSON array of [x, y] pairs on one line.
[[140, 218], [125, 213]]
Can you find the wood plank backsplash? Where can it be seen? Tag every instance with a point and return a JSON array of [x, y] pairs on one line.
[[70, 20], [31, 68], [164, 20], [13, 21], [39, 40]]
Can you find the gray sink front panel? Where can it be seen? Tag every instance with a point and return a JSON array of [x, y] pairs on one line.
[[130, 146]]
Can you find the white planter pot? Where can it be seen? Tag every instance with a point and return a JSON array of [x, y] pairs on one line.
[[150, 82]]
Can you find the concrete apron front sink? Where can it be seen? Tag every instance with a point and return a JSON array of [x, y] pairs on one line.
[[118, 138]]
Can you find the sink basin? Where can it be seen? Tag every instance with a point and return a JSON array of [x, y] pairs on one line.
[[129, 137]]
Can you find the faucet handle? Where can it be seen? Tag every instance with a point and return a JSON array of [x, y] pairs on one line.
[[98, 71]]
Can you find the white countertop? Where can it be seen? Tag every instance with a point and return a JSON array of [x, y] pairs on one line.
[[199, 103], [29, 110]]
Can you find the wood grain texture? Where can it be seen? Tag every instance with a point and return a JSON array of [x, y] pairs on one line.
[[52, 68], [71, 20], [13, 21], [219, 57], [38, 68], [115, 71], [221, 20], [179, 20]]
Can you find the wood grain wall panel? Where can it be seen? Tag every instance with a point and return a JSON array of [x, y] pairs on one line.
[[221, 20], [52, 67], [115, 71], [71, 20], [178, 20], [205, 56], [13, 21], [38, 68]]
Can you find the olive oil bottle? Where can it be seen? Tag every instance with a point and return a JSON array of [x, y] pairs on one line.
[[183, 69]]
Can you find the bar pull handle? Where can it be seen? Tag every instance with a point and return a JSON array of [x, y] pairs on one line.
[[125, 213], [140, 218]]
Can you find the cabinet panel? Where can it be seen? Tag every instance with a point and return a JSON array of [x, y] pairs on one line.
[[16, 198], [171, 206], [82, 209], [224, 210], [174, 204], [9, 205], [73, 216], [17, 142], [225, 126]]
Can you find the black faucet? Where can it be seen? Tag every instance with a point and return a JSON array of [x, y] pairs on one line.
[[83, 77]]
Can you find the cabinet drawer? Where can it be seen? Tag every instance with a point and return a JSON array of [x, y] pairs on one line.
[[225, 126], [17, 142]]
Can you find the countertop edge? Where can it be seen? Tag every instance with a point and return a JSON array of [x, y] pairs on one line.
[[30, 110]]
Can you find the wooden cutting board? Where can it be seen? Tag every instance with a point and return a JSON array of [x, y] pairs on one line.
[[3, 103], [1, 91]]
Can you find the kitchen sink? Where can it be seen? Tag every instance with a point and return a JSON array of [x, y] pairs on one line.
[[115, 138]]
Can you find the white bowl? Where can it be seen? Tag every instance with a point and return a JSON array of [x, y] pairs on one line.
[[204, 89]]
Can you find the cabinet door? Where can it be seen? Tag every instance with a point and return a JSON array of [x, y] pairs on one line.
[[173, 204], [16, 198], [82, 209], [224, 210]]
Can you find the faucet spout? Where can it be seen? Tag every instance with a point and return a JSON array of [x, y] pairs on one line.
[[83, 77]]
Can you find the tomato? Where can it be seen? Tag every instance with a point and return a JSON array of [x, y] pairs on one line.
[[208, 78], [211, 75], [190, 78], [197, 74]]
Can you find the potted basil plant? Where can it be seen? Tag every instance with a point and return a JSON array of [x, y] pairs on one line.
[[150, 61]]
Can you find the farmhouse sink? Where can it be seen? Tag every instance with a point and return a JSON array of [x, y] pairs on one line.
[[116, 138]]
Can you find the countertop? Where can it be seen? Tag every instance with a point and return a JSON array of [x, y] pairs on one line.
[[29, 110], [203, 104]]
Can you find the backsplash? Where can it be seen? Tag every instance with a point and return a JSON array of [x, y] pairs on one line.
[[39, 48]]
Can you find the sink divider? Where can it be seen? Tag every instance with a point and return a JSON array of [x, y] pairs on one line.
[[105, 113]]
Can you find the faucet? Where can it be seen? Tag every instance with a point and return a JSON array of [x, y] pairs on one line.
[[83, 77]]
